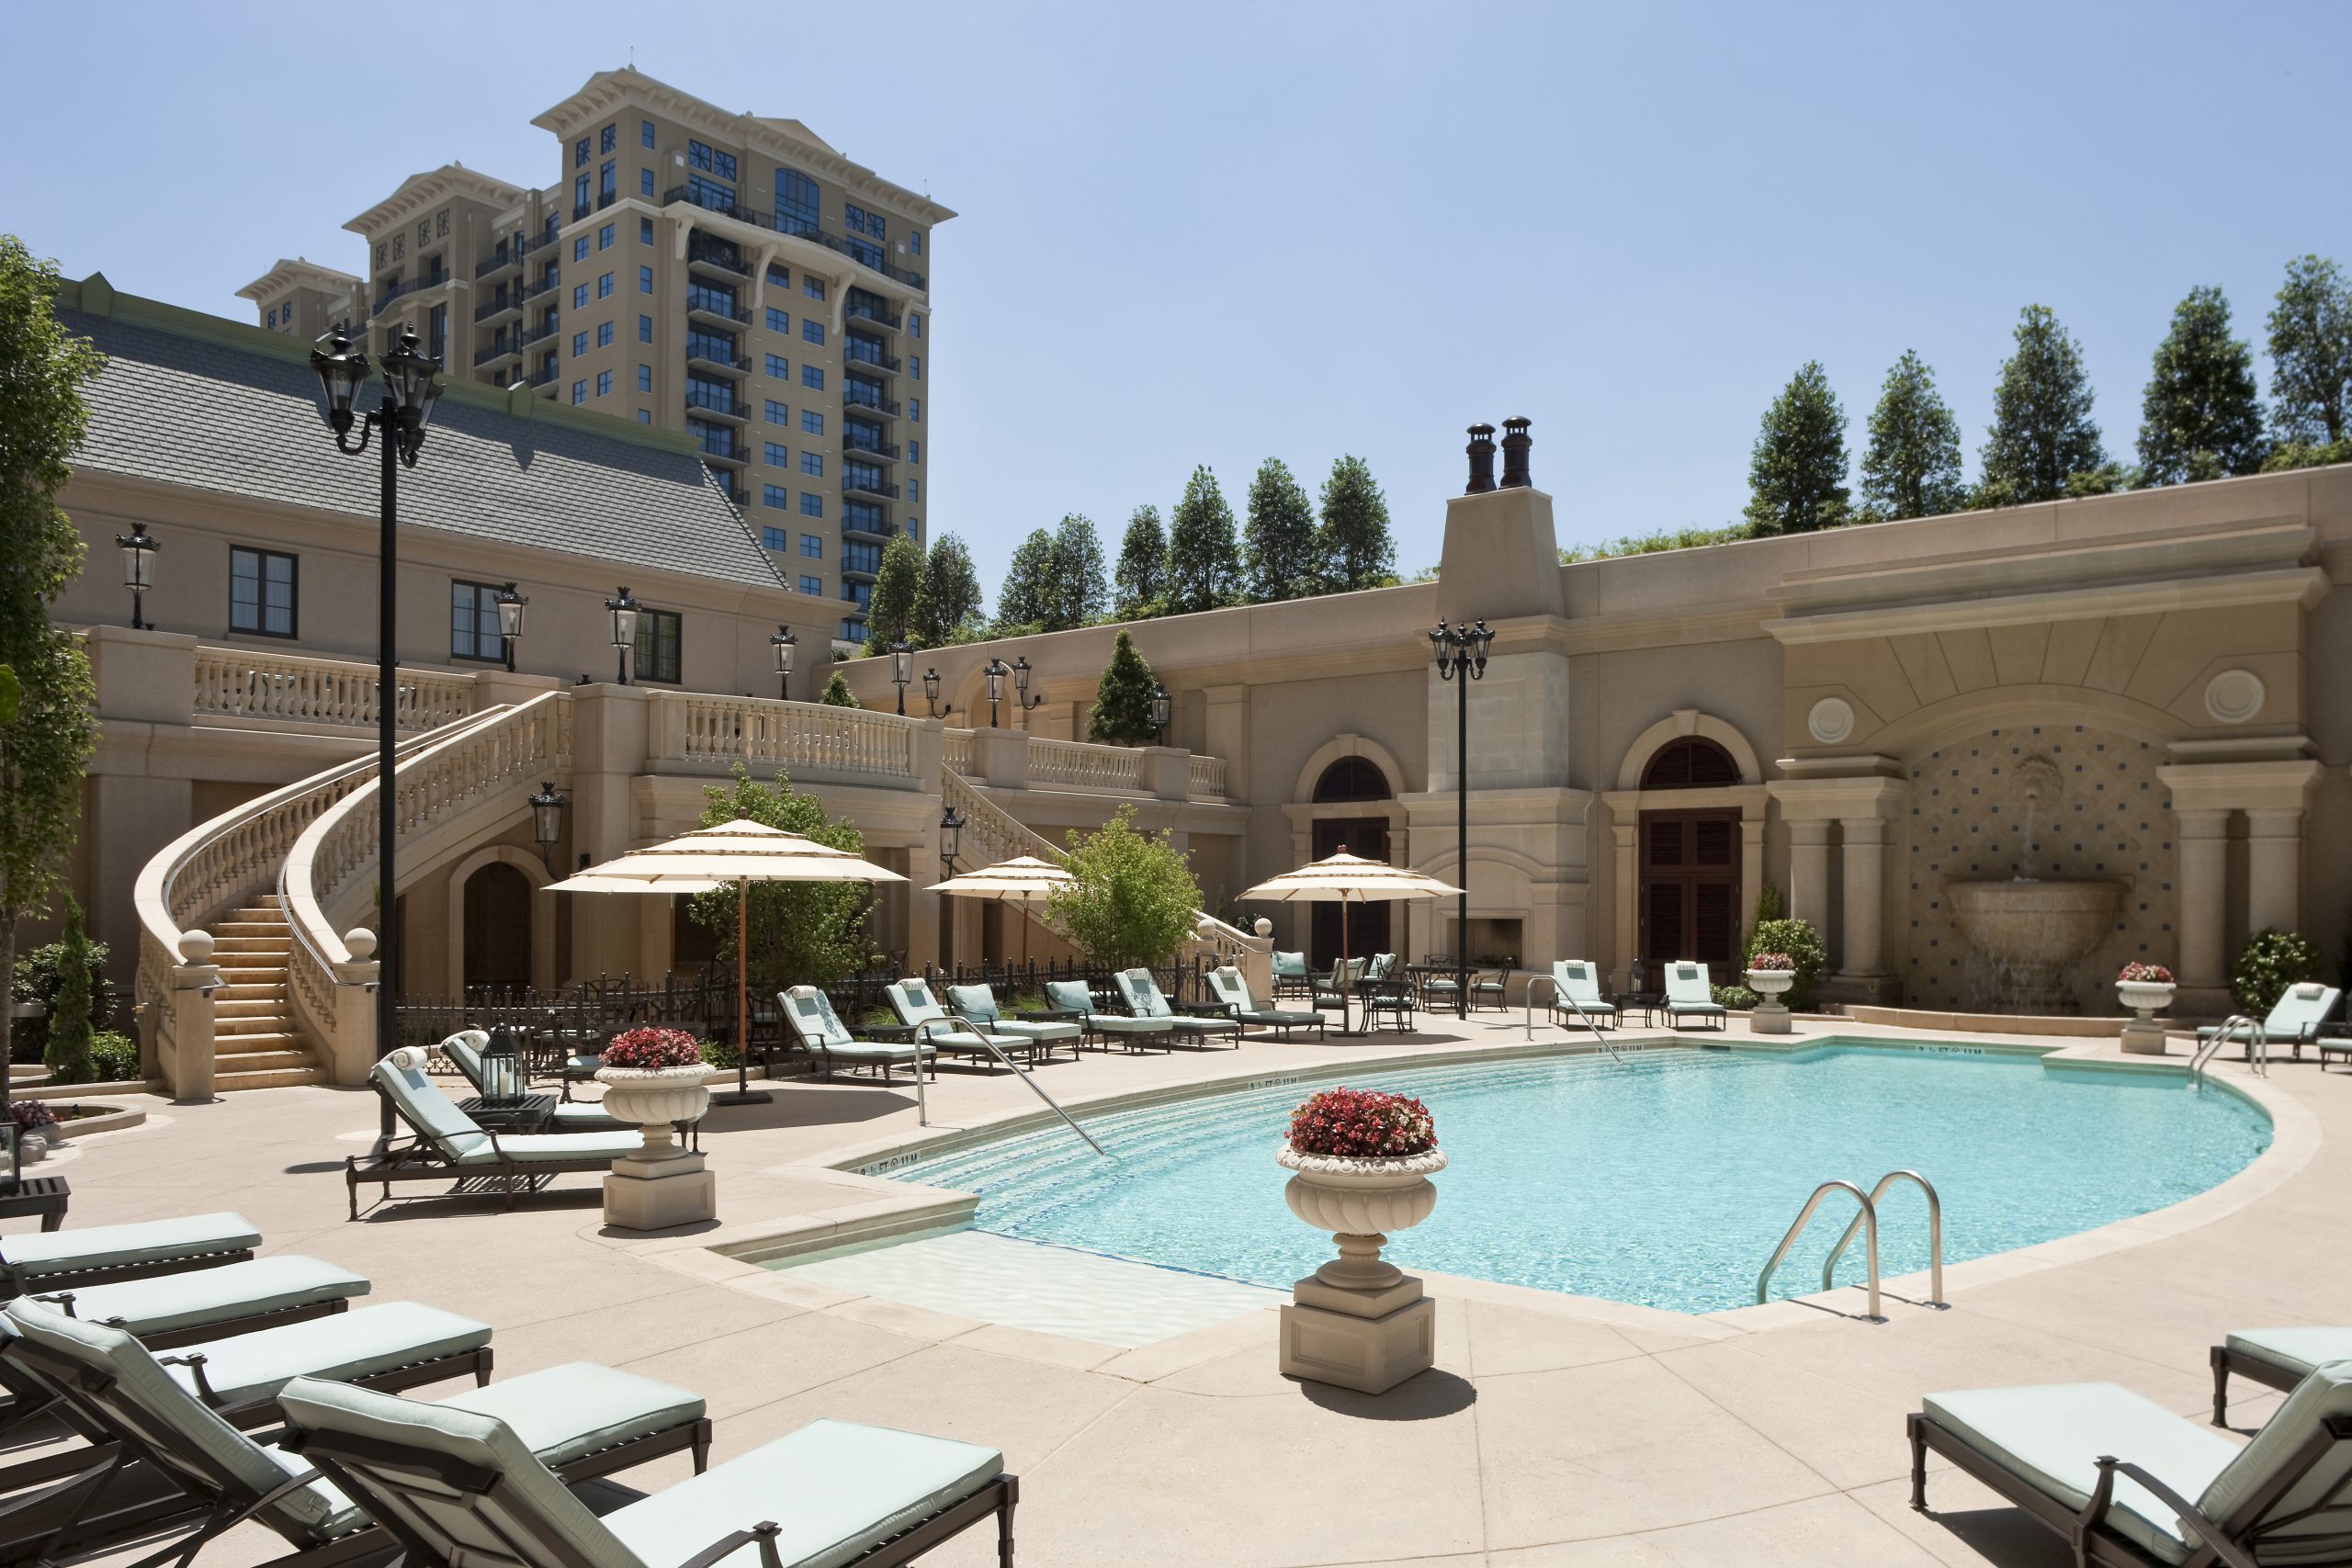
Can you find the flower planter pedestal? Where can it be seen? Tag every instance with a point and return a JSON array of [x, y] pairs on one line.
[[661, 1185], [2143, 1035], [1771, 1015], [1359, 1321]]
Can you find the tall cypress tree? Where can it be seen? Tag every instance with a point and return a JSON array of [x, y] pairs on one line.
[[1026, 597], [1122, 710], [1279, 543], [947, 599], [1141, 576], [1078, 589], [1912, 467], [1796, 474], [2042, 434], [1202, 572], [2310, 354], [2199, 416], [1354, 547], [897, 582]]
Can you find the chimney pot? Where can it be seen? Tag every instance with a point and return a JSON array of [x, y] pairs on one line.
[[1482, 460], [1516, 443]]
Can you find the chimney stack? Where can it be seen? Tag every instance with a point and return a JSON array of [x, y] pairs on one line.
[[1482, 459], [1516, 444]]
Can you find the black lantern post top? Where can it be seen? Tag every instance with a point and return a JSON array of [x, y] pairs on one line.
[[1021, 684], [547, 820], [1461, 651], [902, 669], [624, 613], [996, 670], [412, 381], [342, 369], [951, 836], [930, 695], [783, 642], [138, 547], [511, 606], [412, 386], [1161, 706], [1482, 459]]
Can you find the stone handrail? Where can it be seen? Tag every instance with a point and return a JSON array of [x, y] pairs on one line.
[[763, 732], [1078, 766], [244, 682], [1206, 778], [956, 749]]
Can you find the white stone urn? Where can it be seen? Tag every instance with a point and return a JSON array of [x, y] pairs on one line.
[[1769, 1015], [1772, 982], [2142, 1036], [1361, 1203], [654, 1098]]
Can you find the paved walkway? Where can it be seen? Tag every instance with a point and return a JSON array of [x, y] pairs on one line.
[[1553, 1432]]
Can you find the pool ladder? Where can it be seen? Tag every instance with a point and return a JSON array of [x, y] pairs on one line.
[[922, 1104], [2257, 1047], [1559, 1000], [1866, 1220]]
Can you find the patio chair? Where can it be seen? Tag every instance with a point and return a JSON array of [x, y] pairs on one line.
[[1576, 995], [2124, 1480], [2274, 1357], [1386, 994], [1687, 995], [978, 1004], [1140, 992], [55, 1259], [584, 1420], [1326, 989], [448, 1145], [1439, 987], [944, 1031], [1490, 988], [1232, 993], [809, 1014], [1133, 1032], [1290, 975], [2294, 1019], [454, 1485]]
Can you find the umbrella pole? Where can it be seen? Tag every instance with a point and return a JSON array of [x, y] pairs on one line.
[[1343, 962], [744, 1093]]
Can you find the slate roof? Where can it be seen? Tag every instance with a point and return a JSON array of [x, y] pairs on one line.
[[188, 409]]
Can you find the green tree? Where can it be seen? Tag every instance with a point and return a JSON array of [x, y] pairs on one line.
[[1024, 600], [1121, 711], [890, 615], [1352, 543], [67, 1055], [947, 604], [802, 933], [1279, 538], [2199, 416], [44, 747], [11, 695], [1132, 899], [1080, 593], [1912, 465], [2302, 455], [1796, 474], [2043, 433], [1201, 570], [1141, 576], [837, 694], [2310, 354]]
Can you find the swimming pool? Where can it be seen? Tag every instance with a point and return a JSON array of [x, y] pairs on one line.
[[1665, 1180]]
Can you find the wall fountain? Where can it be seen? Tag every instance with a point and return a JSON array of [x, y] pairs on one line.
[[2027, 933]]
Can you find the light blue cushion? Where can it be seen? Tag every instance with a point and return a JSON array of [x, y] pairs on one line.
[[431, 1112], [142, 1241], [1687, 988], [2296, 1349], [1290, 965], [372, 1339], [1119, 1023], [537, 1148], [564, 1412], [911, 999], [200, 1296], [2324, 1396], [1142, 994], [1579, 981], [811, 1014], [583, 1117], [1043, 1034], [1070, 996], [977, 1003], [876, 1051]]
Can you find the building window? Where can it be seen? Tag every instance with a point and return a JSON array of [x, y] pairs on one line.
[[812, 422], [710, 160], [709, 392], [645, 377], [777, 367], [858, 594], [812, 377], [645, 329], [914, 451], [644, 280], [813, 464], [579, 393], [779, 498], [914, 527], [914, 242], [580, 248], [860, 221], [604, 137], [645, 132], [473, 623], [579, 197], [273, 320], [605, 286], [813, 546], [578, 345], [778, 320], [914, 367], [604, 382], [645, 416], [261, 592], [645, 189], [811, 505], [914, 324], [914, 410], [776, 455], [852, 631], [812, 287], [812, 586], [779, 413], [580, 297], [779, 275], [863, 516], [603, 335], [914, 490], [777, 539], [659, 634], [645, 225], [795, 202], [605, 237], [812, 331], [579, 154]]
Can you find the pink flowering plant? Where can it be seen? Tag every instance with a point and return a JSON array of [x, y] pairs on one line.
[[2145, 973], [32, 1115], [650, 1050], [1773, 962], [1356, 1123]]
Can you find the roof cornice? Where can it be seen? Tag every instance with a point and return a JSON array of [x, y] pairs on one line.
[[422, 192], [295, 272]]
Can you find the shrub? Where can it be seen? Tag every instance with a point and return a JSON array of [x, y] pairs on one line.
[[719, 1054], [1800, 946], [2145, 973], [38, 975], [113, 1058], [2269, 963], [649, 1049], [1132, 900], [1738, 999], [67, 1054], [1121, 711], [1361, 1125]]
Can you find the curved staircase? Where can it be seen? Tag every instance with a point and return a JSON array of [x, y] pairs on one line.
[[255, 1042]]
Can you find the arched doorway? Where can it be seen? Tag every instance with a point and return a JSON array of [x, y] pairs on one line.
[[1350, 781], [1689, 860], [498, 928]]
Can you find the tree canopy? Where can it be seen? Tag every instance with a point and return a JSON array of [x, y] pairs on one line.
[[1121, 711], [890, 615], [1203, 570], [947, 599], [2042, 434], [1141, 576], [1279, 548], [2310, 354], [802, 933], [1024, 599], [1796, 474], [1353, 542], [2200, 418], [1132, 899], [1912, 465]]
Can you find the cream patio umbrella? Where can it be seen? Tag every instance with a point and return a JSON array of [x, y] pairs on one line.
[[1344, 879], [741, 851], [1025, 880]]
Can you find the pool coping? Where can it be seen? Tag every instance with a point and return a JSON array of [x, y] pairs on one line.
[[876, 1208]]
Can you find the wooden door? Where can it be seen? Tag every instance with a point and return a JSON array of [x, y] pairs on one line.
[[1689, 879], [1367, 924], [498, 927]]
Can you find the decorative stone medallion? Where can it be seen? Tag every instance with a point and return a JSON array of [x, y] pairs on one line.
[[2235, 696], [1831, 720]]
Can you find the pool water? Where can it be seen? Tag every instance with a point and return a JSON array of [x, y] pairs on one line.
[[1665, 1180]]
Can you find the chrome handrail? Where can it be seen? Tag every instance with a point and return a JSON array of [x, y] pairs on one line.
[[1935, 1234], [1869, 1217], [965, 1025], [1560, 999], [2258, 1039]]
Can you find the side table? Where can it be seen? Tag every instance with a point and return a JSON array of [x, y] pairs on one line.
[[44, 1195], [527, 1114]]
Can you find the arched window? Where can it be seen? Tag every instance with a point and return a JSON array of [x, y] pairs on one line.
[[1689, 763], [1351, 778]]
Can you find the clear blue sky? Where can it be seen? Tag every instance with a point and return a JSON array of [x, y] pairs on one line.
[[1210, 233]]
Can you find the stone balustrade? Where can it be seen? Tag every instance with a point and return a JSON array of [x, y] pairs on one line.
[[805, 740], [250, 683]]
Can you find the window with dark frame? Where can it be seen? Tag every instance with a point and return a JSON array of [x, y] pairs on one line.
[[473, 623], [261, 592], [659, 634]]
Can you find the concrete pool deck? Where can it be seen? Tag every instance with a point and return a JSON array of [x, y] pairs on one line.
[[1554, 1430]]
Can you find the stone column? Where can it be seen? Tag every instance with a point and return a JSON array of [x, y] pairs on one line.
[[1628, 894], [1809, 873], [2274, 870], [1751, 866], [2199, 901], [185, 1059], [1864, 867]]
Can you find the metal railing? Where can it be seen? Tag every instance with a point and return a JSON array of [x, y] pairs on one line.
[[1935, 1236], [1869, 1219], [2257, 1047], [1561, 999], [853, 395], [852, 442], [413, 285], [963, 1025]]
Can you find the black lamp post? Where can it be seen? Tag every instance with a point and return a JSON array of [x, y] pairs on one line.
[[950, 840], [1462, 650], [511, 606], [397, 425], [139, 547], [783, 643], [1021, 685], [624, 613], [1160, 709], [996, 671], [930, 695], [903, 671], [546, 821]]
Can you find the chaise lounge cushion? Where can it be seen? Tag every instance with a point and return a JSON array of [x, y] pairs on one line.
[[111, 1247], [201, 1296], [2297, 1350], [362, 1343], [553, 1148], [566, 1411], [2321, 1399], [978, 1004]]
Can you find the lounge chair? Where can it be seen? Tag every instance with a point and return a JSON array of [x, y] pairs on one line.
[[448, 1145], [1290, 975], [944, 1031], [1687, 995], [208, 1304], [584, 1420], [1232, 993], [2274, 1357], [1141, 994], [2294, 1019], [809, 1012], [54, 1261], [978, 1004], [463, 1050], [2126, 1482], [1134, 1033], [462, 1486], [1576, 995]]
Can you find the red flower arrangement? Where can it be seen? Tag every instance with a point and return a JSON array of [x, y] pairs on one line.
[[1357, 1123], [2145, 973], [1773, 962], [650, 1050], [32, 1115]]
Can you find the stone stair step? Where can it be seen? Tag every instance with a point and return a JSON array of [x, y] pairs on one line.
[[278, 1039], [249, 991], [245, 1028], [254, 946], [271, 1078], [269, 1002], [263, 1061], [221, 929]]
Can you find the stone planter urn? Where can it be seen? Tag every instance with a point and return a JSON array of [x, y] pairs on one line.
[[1359, 1321], [661, 1184], [1771, 1015], [2142, 1036]]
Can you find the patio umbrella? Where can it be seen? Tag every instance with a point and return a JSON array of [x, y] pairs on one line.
[[741, 851], [1344, 879], [1025, 880]]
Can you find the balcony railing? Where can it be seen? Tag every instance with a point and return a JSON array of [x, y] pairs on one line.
[[543, 330], [507, 254], [873, 310], [871, 445], [541, 377], [866, 395], [495, 351], [533, 291], [709, 353], [724, 255], [498, 306], [709, 402], [413, 285], [710, 304], [859, 484], [865, 351], [797, 228]]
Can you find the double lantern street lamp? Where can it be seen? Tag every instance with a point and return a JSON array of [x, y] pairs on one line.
[[397, 425], [996, 670], [1462, 650], [139, 547], [783, 643]]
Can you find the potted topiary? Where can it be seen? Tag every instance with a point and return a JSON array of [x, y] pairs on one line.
[[2144, 989], [654, 1078], [1770, 975], [1360, 1162]]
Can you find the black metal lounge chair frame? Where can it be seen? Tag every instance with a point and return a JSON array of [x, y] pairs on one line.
[[419, 1158], [2269, 1374], [11, 1286]]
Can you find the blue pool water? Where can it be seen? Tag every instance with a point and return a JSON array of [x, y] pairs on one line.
[[1664, 1180]]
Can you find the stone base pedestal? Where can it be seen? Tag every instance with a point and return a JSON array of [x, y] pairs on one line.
[[2143, 1037], [1369, 1340], [1767, 1017], [653, 1195]]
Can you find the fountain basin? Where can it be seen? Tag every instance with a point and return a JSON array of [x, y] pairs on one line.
[[2026, 935]]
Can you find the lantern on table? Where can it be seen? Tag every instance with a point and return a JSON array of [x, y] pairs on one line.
[[502, 1069]]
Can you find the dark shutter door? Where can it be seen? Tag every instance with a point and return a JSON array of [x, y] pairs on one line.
[[1690, 887]]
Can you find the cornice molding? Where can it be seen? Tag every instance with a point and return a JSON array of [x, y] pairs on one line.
[[423, 192], [2301, 586]]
